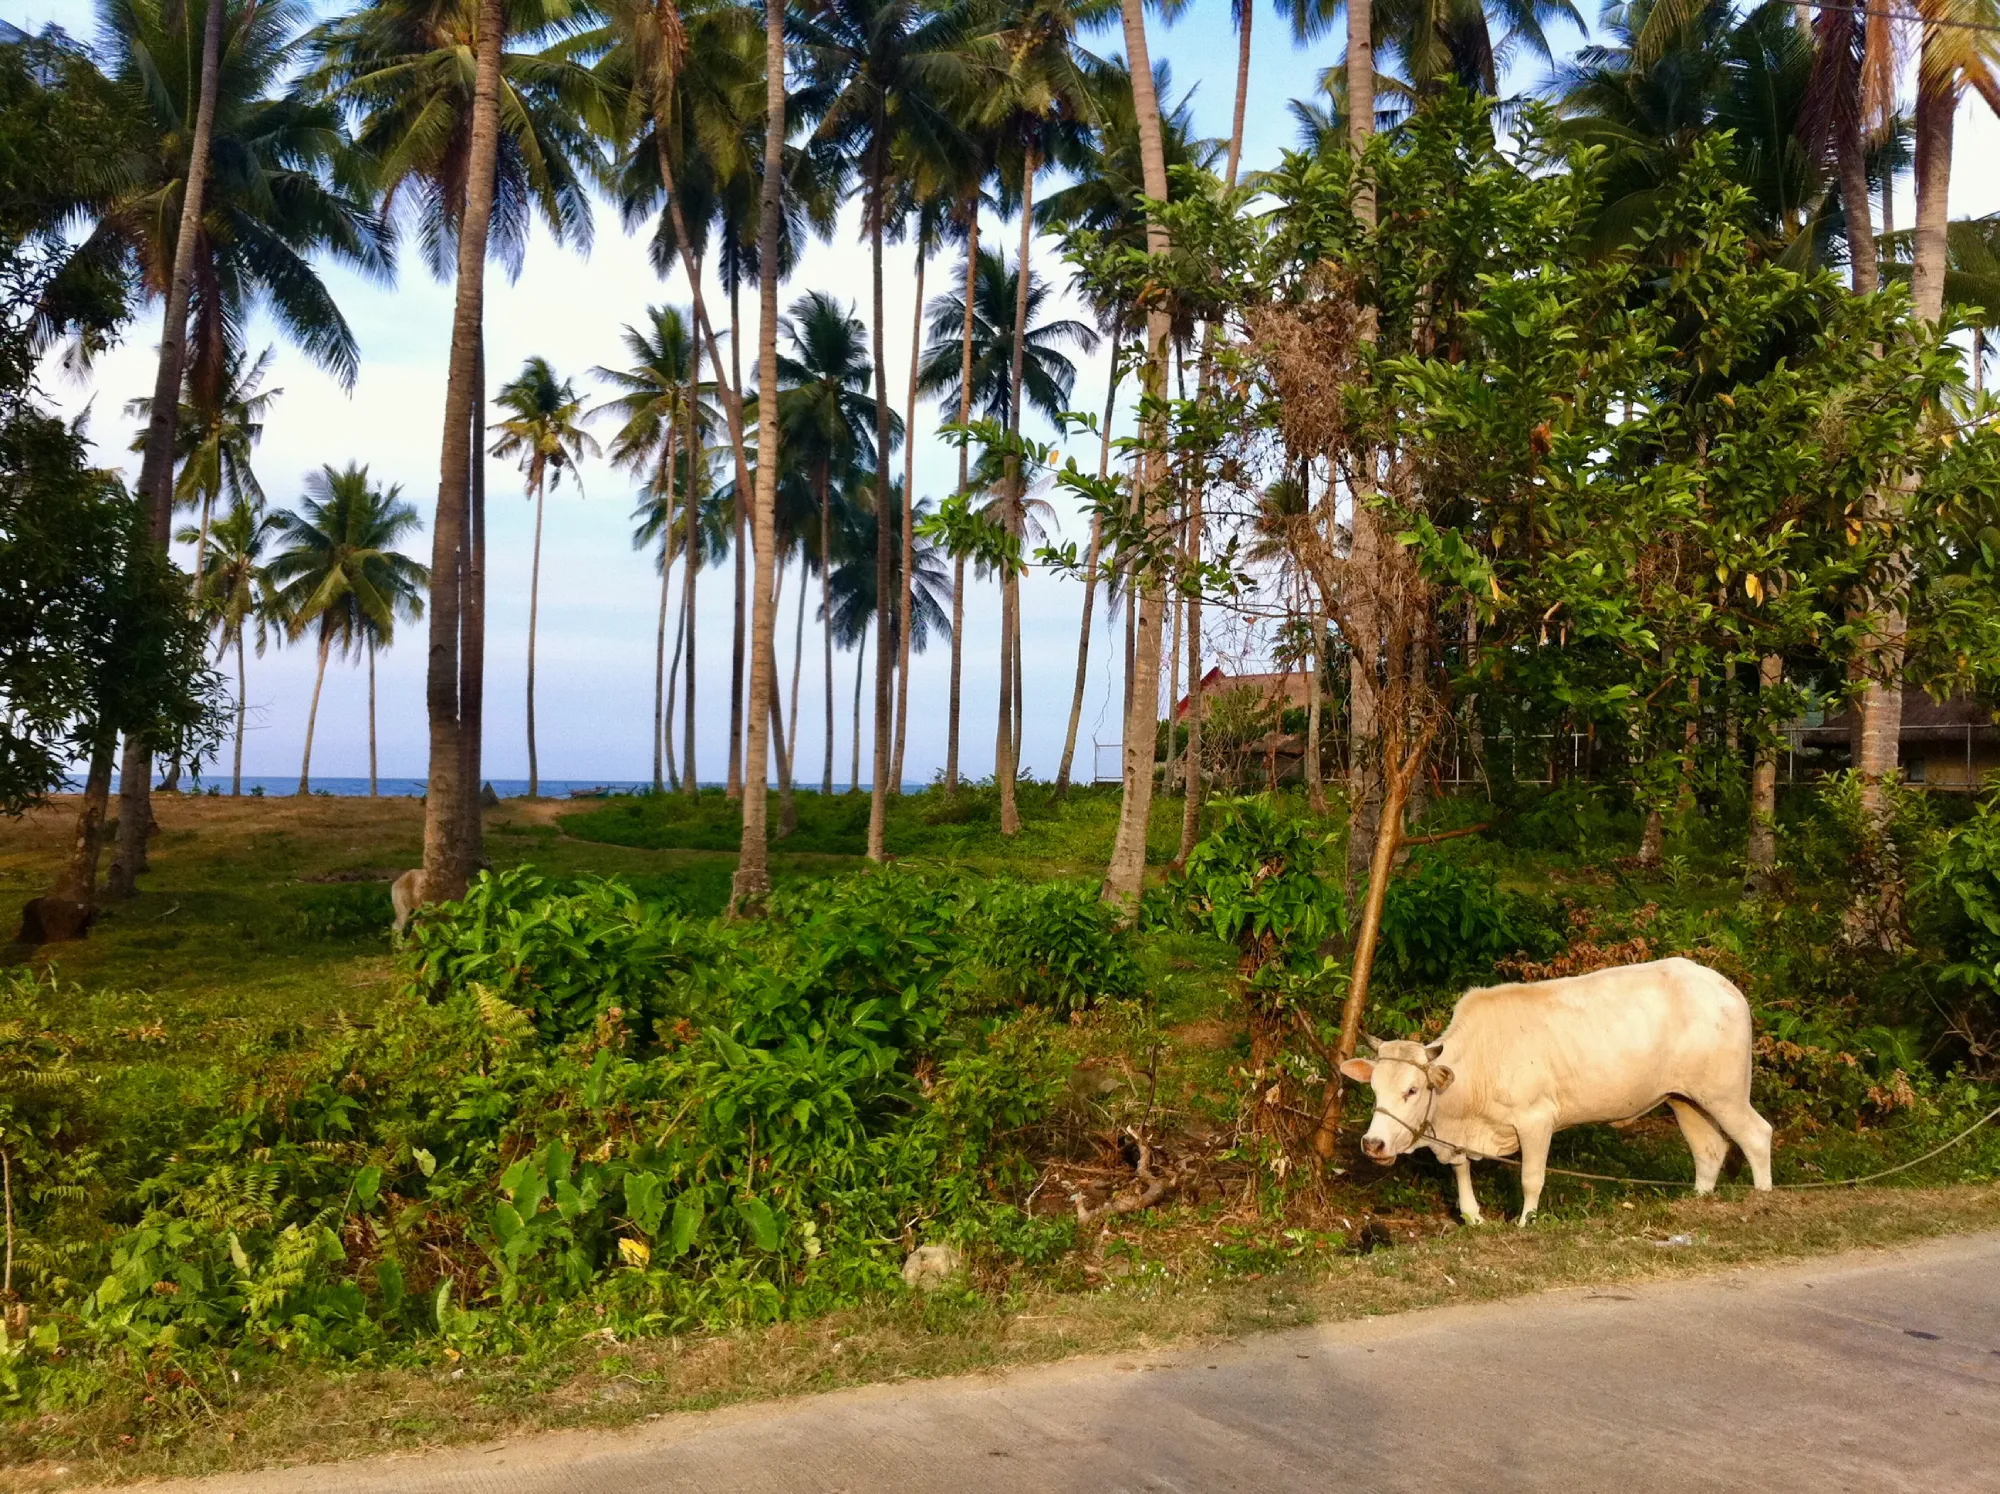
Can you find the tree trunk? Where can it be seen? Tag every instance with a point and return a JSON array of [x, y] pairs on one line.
[[1090, 571], [1364, 767], [798, 661], [1381, 867], [1170, 774], [826, 619], [373, 793], [312, 713], [964, 484], [732, 405], [854, 767], [242, 706], [1125, 876], [753, 869], [1936, 106], [673, 692], [447, 853], [78, 882], [1246, 10], [1191, 791], [534, 609], [906, 590], [957, 672], [472, 623], [1361, 98], [1007, 742], [1315, 784], [1852, 163], [156, 469], [1763, 850], [885, 539], [691, 560], [660, 681], [781, 745]]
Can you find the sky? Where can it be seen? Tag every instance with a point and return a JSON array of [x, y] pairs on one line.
[[599, 597]]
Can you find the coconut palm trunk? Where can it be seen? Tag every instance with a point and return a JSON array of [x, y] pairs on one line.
[[1007, 741], [1191, 779], [826, 617], [156, 470], [1090, 569], [885, 536], [242, 706], [798, 663], [660, 682], [1364, 763], [448, 853], [964, 482], [753, 868], [1125, 876], [906, 590], [690, 779], [312, 712], [534, 612], [373, 792], [78, 883], [854, 766], [1763, 848], [673, 695], [1246, 10], [472, 623]]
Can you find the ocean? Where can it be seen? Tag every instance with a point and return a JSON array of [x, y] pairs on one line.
[[411, 788]]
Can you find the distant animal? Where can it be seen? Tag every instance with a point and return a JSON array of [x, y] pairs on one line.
[[408, 895], [1520, 1062]]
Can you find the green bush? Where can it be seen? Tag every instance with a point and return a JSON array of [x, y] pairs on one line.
[[1052, 943], [345, 912], [1446, 925]]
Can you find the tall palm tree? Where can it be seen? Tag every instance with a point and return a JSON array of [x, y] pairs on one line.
[[231, 587], [1047, 373], [881, 75], [339, 573], [830, 424], [753, 871], [471, 139], [1105, 199], [544, 429], [240, 190], [660, 405], [1043, 112], [1125, 874]]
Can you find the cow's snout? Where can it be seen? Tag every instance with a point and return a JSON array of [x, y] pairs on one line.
[[1375, 1149]]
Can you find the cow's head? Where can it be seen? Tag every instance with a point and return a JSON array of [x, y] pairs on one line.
[[1407, 1079]]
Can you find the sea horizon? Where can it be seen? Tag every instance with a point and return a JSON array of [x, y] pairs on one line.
[[282, 786]]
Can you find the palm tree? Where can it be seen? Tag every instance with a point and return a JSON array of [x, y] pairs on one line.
[[660, 406], [231, 587], [1105, 200], [1047, 373], [753, 872], [470, 140], [544, 429], [829, 424], [340, 573], [214, 445], [216, 217], [1125, 874], [854, 598], [881, 77]]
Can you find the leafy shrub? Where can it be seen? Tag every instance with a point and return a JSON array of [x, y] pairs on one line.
[[1054, 943], [1446, 925], [1960, 891], [1265, 880], [1576, 818], [566, 957]]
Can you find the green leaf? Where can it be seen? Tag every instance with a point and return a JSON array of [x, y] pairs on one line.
[[389, 1282], [761, 1223], [367, 1185], [687, 1219], [645, 1201]]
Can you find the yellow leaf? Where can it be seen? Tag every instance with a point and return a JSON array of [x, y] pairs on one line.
[[1493, 585], [1755, 587], [1853, 531], [635, 1252]]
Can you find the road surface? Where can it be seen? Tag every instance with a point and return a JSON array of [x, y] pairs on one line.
[[1873, 1371]]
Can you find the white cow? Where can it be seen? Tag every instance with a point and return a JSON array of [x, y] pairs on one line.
[[1518, 1063]]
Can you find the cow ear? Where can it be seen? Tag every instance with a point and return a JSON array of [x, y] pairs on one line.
[[1441, 1076], [1360, 1070]]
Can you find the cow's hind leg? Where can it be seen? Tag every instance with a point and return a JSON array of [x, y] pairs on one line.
[[1749, 1130], [1705, 1140]]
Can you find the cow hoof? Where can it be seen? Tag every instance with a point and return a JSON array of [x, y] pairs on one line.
[[1472, 1219]]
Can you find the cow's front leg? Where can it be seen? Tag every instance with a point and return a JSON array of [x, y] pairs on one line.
[[1468, 1201], [1534, 1132]]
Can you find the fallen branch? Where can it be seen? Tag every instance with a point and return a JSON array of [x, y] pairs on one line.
[[1433, 839], [1152, 1188]]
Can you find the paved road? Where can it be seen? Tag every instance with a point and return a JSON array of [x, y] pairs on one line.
[[1864, 1372]]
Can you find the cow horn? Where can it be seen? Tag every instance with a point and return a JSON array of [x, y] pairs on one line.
[[1374, 1043]]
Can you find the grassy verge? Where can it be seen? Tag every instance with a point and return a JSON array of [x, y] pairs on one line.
[[302, 1414]]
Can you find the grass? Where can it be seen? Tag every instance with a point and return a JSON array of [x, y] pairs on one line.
[[264, 923], [1134, 1304]]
